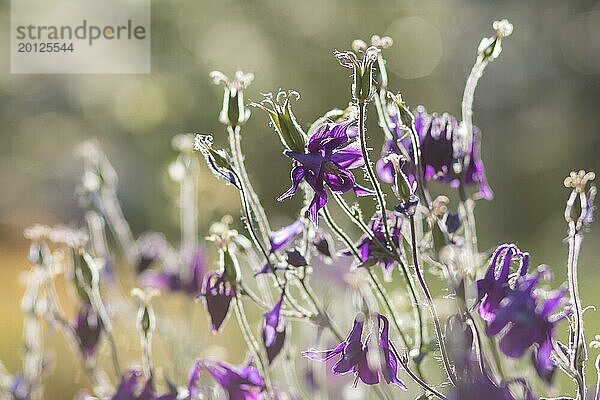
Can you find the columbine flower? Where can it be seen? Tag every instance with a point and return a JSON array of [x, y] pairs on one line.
[[479, 383], [218, 294], [189, 280], [440, 153], [132, 388], [240, 383], [285, 235], [274, 331], [494, 287], [354, 355], [529, 324], [88, 329], [371, 252], [327, 159]]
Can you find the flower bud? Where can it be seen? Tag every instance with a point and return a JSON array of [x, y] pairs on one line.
[[490, 48], [362, 85], [403, 189], [234, 111], [406, 117], [231, 268], [283, 120], [217, 160]]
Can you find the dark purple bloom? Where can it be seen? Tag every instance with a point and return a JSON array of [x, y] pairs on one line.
[[218, 295], [88, 329], [494, 287], [372, 250], [354, 356], [187, 280], [285, 235], [149, 247], [529, 324], [132, 387], [243, 383], [440, 152], [328, 159], [274, 331]]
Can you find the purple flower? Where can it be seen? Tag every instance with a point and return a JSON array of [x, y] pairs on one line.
[[440, 152], [328, 159], [187, 281], [285, 235], [132, 388], [274, 331], [218, 295], [494, 287], [88, 329], [370, 251], [243, 383], [528, 324], [354, 356]]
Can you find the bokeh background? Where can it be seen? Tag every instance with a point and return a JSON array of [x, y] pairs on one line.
[[537, 106]]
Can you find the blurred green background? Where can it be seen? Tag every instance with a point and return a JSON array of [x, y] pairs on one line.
[[537, 106]]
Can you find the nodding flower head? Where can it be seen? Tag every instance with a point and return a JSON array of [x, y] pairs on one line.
[[218, 293], [240, 383], [526, 322], [88, 329], [362, 84], [217, 160], [355, 355], [282, 118], [495, 286], [373, 251], [274, 331], [328, 159], [234, 111], [440, 153]]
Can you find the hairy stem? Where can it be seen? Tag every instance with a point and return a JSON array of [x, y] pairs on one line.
[[253, 345], [432, 309], [578, 350]]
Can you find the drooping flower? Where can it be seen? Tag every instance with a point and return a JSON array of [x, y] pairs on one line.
[[354, 355], [88, 329], [327, 160], [285, 235], [240, 383], [217, 160], [372, 251], [440, 152], [530, 324], [218, 294], [132, 387], [494, 287], [187, 279], [274, 331]]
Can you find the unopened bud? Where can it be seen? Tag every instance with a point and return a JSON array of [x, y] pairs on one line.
[[283, 120], [234, 111]]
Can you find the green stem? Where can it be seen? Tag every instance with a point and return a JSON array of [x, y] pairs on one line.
[[436, 319], [252, 343]]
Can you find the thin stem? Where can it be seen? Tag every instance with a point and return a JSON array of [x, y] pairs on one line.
[[188, 194], [321, 312], [467, 105], [383, 298], [252, 343], [578, 351], [362, 135], [414, 376], [432, 309], [238, 160], [497, 359]]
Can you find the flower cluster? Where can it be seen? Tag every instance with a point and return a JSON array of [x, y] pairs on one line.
[[276, 283]]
